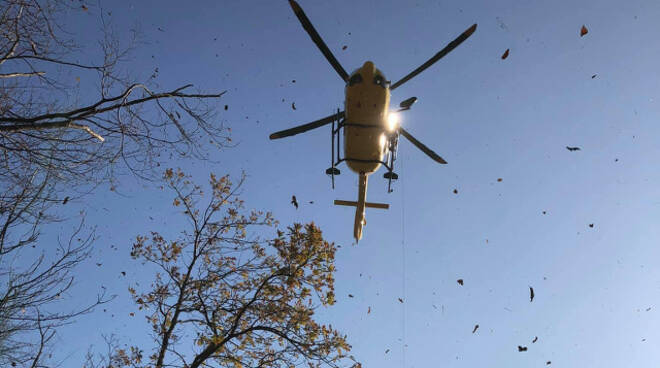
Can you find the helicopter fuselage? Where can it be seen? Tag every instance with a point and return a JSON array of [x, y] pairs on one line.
[[366, 108]]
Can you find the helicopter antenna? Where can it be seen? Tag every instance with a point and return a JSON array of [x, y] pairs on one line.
[[307, 25]]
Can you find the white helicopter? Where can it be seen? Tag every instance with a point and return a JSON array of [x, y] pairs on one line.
[[370, 131]]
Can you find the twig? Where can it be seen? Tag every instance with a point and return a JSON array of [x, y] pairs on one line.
[[31, 74]]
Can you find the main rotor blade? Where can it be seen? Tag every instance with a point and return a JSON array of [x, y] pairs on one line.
[[452, 45], [422, 147], [317, 39], [306, 127]]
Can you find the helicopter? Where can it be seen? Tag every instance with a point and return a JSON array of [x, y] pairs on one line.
[[371, 133]]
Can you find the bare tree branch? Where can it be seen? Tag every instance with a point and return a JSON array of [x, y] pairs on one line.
[[13, 75]]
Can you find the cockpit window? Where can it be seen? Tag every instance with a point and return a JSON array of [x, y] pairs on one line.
[[380, 81], [355, 79]]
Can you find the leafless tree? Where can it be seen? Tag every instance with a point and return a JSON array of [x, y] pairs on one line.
[[30, 289], [224, 297], [127, 122], [66, 126]]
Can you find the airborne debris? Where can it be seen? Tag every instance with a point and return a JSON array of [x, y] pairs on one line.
[[505, 54], [294, 201], [583, 31], [501, 23], [522, 348], [460, 282], [531, 294], [476, 327]]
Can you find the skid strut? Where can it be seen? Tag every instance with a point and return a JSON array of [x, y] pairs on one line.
[[335, 150]]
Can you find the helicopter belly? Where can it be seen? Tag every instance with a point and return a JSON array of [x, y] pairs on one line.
[[363, 148]]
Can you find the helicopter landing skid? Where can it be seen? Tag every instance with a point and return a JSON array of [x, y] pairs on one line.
[[335, 139]]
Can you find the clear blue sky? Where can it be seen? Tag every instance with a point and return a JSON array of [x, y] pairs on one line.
[[489, 118]]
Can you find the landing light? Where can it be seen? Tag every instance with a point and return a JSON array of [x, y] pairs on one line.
[[392, 121]]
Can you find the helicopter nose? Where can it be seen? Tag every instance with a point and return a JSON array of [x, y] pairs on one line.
[[369, 68]]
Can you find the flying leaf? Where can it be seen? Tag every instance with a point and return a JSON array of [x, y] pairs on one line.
[[583, 31], [505, 54]]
